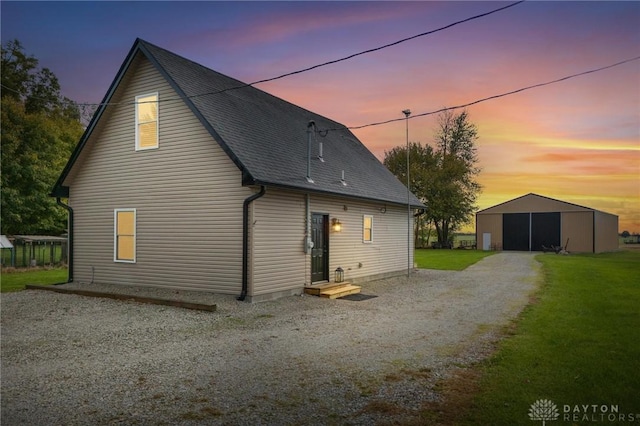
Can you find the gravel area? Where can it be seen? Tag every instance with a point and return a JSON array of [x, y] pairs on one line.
[[69, 359]]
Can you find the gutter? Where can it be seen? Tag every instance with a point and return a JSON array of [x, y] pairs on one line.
[[70, 237], [245, 241], [311, 189]]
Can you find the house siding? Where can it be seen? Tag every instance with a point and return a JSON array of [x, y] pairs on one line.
[[386, 254], [278, 262], [277, 236], [187, 194]]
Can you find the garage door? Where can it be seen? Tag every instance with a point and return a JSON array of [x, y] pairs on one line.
[[530, 231], [515, 231], [545, 230]]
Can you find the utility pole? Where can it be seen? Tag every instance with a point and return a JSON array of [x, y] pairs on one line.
[[407, 113]]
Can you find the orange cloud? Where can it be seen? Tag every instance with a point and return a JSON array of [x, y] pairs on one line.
[[577, 140]]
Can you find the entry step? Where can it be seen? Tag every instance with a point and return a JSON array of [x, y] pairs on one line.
[[332, 290]]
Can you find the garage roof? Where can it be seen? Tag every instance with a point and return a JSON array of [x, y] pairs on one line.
[[534, 203]]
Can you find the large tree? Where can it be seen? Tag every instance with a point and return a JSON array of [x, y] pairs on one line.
[[423, 164], [444, 177], [39, 130], [456, 189]]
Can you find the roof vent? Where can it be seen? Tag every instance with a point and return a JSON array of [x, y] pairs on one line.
[[309, 131], [320, 157], [342, 181]]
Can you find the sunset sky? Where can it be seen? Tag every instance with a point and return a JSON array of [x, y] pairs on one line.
[[577, 140]]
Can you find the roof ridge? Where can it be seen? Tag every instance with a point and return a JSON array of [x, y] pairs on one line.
[[264, 135], [539, 196], [241, 84]]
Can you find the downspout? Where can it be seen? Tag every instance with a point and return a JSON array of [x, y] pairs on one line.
[[70, 237], [245, 241], [307, 235]]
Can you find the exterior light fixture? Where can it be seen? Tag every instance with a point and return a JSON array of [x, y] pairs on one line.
[[339, 277], [336, 225]]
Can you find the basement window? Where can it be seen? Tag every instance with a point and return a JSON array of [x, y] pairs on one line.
[[147, 121], [124, 238], [367, 228]]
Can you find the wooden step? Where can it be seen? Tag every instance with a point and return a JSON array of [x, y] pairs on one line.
[[340, 291], [332, 290], [316, 289]]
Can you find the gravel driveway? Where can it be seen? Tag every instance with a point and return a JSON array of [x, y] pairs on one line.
[[70, 359]]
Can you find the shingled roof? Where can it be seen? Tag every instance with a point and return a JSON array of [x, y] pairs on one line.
[[265, 136]]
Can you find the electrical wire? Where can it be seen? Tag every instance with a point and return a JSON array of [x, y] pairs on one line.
[[364, 52], [313, 67], [489, 97], [324, 132]]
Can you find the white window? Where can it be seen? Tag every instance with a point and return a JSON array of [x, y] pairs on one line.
[[147, 121], [124, 235], [367, 228]]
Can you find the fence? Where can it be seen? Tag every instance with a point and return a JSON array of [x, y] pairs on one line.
[[31, 251]]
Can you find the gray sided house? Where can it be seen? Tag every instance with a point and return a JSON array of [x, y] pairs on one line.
[[188, 179], [533, 222]]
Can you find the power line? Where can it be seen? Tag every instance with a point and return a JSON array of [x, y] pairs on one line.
[[303, 70], [375, 49], [364, 52], [501, 95], [492, 97]]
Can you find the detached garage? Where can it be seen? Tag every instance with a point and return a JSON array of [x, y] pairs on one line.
[[532, 221]]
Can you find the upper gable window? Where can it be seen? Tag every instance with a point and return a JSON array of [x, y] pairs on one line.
[[147, 121]]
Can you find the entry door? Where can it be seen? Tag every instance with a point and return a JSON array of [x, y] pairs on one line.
[[320, 250], [486, 241]]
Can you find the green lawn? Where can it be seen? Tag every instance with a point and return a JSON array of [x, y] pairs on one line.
[[454, 260], [15, 281], [579, 344]]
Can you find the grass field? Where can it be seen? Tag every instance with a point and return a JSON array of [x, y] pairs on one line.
[[452, 260], [16, 280], [576, 345]]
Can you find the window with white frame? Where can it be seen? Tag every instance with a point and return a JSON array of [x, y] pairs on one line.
[[367, 228], [124, 235], [147, 121]]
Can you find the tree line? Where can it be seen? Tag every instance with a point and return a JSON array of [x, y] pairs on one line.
[[442, 176], [40, 128]]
